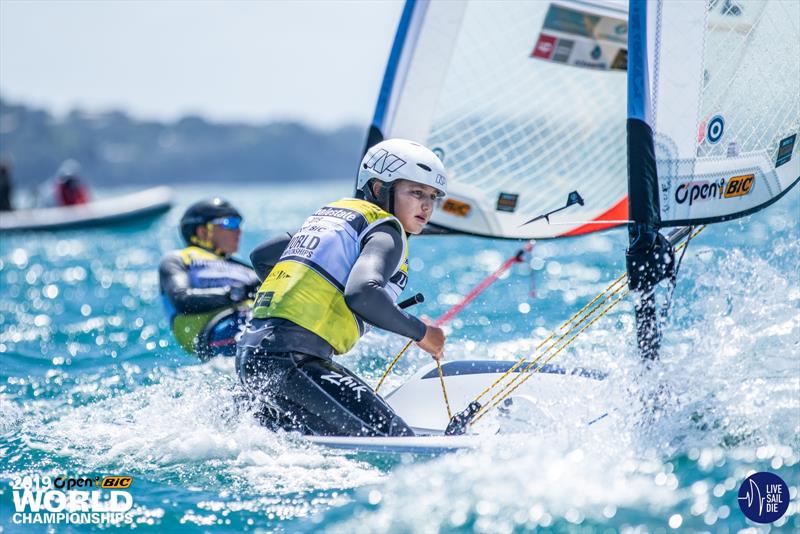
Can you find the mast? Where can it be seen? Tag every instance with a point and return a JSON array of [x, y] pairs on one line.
[[375, 134], [650, 257]]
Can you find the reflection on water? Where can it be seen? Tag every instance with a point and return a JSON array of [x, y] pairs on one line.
[[92, 382]]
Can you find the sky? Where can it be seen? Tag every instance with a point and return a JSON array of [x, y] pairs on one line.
[[255, 61]]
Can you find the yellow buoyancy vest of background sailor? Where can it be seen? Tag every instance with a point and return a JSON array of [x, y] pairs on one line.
[[307, 285], [206, 269]]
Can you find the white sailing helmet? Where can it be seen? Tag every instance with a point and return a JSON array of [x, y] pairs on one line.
[[401, 159]]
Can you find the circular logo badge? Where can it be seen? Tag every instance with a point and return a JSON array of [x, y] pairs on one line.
[[764, 497], [439, 153], [716, 127]]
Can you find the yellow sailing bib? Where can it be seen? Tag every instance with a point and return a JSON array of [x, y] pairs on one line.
[[206, 269], [307, 285]]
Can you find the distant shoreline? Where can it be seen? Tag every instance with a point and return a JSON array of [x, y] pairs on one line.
[[115, 149]]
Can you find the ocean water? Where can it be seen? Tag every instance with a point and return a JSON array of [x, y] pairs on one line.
[[91, 383]]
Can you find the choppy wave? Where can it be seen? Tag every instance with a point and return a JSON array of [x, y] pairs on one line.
[[92, 382]]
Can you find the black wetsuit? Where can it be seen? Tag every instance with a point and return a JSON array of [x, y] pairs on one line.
[[5, 188], [290, 369], [205, 297]]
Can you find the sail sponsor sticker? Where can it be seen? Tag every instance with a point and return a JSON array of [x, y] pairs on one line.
[[620, 60], [715, 129], [544, 47], [583, 36], [692, 192], [507, 202], [456, 207], [736, 186], [785, 148]]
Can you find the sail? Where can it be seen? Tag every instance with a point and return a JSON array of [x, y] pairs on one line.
[[523, 101], [718, 84]]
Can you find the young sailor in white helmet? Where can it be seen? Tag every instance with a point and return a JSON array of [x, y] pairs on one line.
[[343, 270]]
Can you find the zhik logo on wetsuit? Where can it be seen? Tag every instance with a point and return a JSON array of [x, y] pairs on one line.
[[382, 162], [349, 381]]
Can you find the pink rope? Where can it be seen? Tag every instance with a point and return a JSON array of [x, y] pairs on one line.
[[486, 282]]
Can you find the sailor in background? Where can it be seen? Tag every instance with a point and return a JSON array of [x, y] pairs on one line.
[[342, 271], [205, 290], [66, 188], [6, 187]]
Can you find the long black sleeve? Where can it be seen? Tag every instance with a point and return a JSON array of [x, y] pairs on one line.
[[364, 293], [175, 284], [266, 255]]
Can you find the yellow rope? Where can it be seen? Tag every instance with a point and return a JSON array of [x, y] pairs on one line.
[[679, 247], [612, 284], [553, 334], [549, 348], [573, 322], [528, 375], [444, 390], [572, 328], [391, 366], [441, 377]]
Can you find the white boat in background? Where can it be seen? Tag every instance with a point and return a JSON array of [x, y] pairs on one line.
[[114, 210]]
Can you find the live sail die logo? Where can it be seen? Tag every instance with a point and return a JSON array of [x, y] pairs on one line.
[[764, 497], [72, 500]]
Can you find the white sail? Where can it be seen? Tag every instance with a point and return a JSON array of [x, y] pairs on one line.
[[724, 105], [525, 103]]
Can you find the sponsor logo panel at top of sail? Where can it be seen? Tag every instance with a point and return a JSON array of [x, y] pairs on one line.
[[582, 35]]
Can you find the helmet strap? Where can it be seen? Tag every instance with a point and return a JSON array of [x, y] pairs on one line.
[[385, 197], [390, 198], [380, 199]]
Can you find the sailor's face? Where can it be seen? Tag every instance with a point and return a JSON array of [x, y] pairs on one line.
[[226, 241], [413, 205]]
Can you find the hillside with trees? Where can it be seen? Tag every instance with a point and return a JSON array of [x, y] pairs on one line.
[[116, 149]]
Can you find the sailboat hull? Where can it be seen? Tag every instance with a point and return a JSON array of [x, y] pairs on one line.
[[550, 395]]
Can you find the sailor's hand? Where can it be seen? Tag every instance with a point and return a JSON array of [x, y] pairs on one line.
[[252, 289], [433, 342], [237, 293]]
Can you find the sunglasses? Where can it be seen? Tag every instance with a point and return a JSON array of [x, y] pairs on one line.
[[228, 223]]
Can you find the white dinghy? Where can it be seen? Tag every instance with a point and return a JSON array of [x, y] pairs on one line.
[[524, 102]]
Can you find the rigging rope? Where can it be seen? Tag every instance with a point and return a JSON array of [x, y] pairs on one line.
[[553, 334], [674, 281], [575, 321], [489, 406], [444, 390], [589, 312], [449, 314]]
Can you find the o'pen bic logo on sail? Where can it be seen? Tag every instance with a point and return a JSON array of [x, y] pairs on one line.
[[45, 500], [763, 497], [736, 186]]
